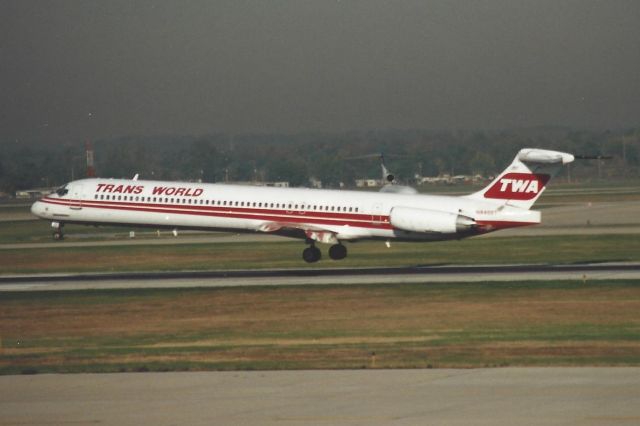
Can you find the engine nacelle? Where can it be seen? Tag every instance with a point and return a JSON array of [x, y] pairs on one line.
[[430, 221]]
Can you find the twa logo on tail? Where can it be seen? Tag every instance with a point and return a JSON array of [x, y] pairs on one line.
[[517, 186]]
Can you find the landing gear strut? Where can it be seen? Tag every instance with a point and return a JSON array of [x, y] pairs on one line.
[[337, 252], [311, 254], [57, 231]]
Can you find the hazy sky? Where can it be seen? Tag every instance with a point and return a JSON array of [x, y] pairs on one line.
[[73, 70]]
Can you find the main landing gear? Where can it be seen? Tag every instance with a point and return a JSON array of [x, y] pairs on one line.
[[312, 254], [337, 252], [57, 231]]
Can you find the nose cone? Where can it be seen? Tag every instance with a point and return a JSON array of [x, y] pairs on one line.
[[37, 209]]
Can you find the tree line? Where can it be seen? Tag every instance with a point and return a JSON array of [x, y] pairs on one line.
[[332, 158]]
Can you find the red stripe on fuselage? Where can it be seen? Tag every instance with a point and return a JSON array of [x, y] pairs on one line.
[[321, 218]]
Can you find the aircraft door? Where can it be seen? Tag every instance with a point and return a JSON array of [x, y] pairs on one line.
[[76, 196], [376, 213]]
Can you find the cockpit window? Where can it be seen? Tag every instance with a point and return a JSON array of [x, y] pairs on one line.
[[62, 191]]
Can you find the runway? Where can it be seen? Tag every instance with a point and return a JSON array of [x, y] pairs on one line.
[[336, 276], [501, 396]]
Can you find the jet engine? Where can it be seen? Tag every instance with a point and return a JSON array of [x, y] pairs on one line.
[[430, 221]]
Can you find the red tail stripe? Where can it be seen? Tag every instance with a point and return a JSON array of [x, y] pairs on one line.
[[517, 186]]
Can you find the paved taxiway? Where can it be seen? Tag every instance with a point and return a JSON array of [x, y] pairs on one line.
[[505, 396], [343, 276]]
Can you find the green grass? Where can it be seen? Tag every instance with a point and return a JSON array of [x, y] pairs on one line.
[[14, 208], [407, 326], [287, 254], [39, 231]]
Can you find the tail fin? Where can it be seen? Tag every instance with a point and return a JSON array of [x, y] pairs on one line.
[[522, 183]]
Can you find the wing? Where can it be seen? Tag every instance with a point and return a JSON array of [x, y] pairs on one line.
[[301, 230]]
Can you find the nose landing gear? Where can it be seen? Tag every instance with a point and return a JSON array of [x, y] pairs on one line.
[[57, 231]]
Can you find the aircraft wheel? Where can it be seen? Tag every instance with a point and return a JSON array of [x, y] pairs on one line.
[[311, 254], [57, 235], [337, 252]]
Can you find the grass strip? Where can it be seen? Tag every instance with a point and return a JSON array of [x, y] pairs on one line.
[[365, 326], [287, 254]]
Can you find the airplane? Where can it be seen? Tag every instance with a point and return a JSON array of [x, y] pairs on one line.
[[313, 215]]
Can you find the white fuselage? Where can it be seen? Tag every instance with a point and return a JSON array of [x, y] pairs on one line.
[[305, 213]]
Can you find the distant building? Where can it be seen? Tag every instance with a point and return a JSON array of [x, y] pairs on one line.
[[315, 183], [277, 184], [283, 184], [450, 180], [32, 194], [368, 183]]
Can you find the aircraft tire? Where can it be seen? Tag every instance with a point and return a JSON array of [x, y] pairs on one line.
[[337, 252], [311, 254]]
